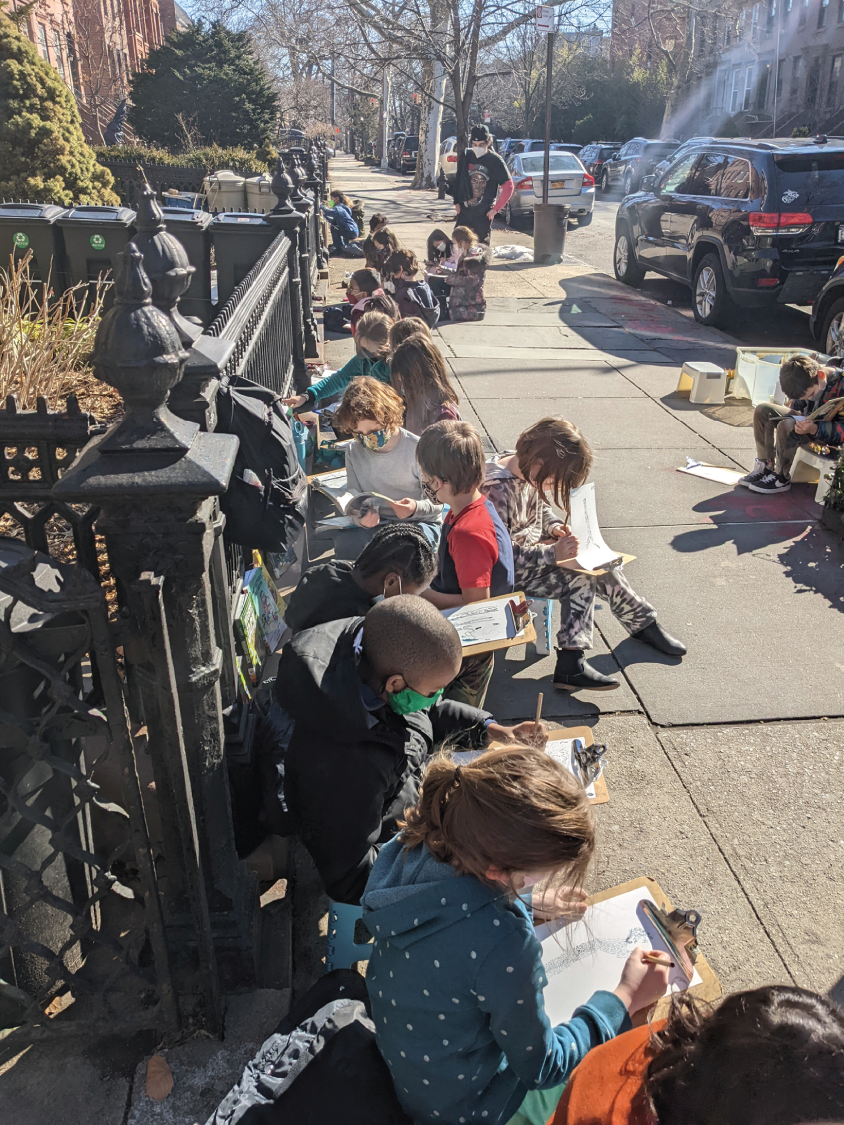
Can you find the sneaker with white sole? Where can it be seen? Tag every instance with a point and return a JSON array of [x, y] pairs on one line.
[[771, 482], [760, 468]]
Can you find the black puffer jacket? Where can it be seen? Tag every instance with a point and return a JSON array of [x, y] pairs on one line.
[[350, 772]]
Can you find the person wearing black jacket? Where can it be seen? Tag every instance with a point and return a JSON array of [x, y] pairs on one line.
[[482, 184], [364, 695]]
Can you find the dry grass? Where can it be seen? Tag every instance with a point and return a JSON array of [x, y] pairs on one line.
[[45, 344]]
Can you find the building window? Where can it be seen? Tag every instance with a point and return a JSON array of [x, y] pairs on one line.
[[813, 81], [762, 87], [787, 8], [43, 49], [734, 90], [834, 80], [720, 92], [748, 88], [796, 74], [804, 13], [57, 51], [841, 11], [822, 12], [780, 77], [772, 16]]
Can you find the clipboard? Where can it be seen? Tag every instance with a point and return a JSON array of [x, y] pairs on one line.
[[602, 795], [709, 988], [606, 570], [527, 636]]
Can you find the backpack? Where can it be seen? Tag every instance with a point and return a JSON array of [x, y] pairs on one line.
[[424, 304], [321, 1065], [266, 499]]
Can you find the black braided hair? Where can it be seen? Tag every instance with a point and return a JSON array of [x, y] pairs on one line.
[[401, 547]]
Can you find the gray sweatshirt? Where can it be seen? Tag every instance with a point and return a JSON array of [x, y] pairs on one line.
[[394, 474]]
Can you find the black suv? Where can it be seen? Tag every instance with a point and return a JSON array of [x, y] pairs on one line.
[[627, 168], [747, 223], [593, 157], [407, 153]]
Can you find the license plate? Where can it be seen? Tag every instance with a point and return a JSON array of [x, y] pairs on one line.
[[841, 233], [562, 184]]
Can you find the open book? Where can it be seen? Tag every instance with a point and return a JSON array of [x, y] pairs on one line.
[[593, 554], [346, 503]]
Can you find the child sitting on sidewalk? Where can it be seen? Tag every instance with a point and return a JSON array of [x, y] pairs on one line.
[[780, 430], [456, 976], [412, 295], [440, 248], [475, 554], [371, 358], [552, 457], [384, 243], [376, 223], [467, 301], [364, 697], [694, 1068], [418, 372], [364, 285], [405, 328], [398, 559]]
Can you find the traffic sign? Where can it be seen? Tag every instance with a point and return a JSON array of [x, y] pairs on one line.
[[544, 19]]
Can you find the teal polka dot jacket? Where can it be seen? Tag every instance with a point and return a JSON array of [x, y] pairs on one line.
[[456, 982]]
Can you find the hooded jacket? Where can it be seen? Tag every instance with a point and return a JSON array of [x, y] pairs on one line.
[[415, 298], [326, 592], [455, 981], [352, 765], [337, 381]]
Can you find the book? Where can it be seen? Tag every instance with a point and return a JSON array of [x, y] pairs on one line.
[[347, 503], [593, 554], [270, 620], [248, 634]]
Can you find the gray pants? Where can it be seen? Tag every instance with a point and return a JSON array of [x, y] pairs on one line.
[[577, 592], [773, 429]]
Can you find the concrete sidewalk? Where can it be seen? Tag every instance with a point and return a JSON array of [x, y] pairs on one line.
[[724, 770]]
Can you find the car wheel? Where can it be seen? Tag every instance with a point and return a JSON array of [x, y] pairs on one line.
[[710, 300], [628, 184], [507, 215], [605, 181], [585, 220], [832, 336], [625, 264]]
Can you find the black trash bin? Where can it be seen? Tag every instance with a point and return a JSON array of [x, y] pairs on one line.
[[191, 229], [32, 226], [239, 238], [93, 237]]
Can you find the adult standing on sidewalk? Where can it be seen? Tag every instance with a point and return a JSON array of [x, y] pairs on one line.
[[482, 185]]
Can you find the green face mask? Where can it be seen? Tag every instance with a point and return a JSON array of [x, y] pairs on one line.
[[407, 700]]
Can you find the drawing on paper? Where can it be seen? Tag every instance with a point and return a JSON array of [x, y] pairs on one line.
[[593, 553], [613, 947]]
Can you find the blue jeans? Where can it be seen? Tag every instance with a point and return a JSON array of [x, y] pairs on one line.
[[338, 239]]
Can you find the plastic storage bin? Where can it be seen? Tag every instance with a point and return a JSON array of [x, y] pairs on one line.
[[93, 237], [225, 191], [239, 239], [191, 229], [259, 194], [187, 200], [32, 226], [758, 372]]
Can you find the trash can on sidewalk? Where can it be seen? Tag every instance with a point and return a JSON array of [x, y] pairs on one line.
[[239, 239], [549, 232], [191, 229], [32, 226], [93, 237]]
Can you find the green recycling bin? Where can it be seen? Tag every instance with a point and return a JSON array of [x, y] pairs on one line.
[[239, 238], [32, 226], [93, 237], [191, 229]]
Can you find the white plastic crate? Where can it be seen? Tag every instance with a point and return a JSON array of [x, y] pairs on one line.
[[758, 372]]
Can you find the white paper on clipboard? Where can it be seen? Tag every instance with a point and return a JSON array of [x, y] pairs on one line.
[[588, 955], [593, 553], [480, 623], [562, 751]]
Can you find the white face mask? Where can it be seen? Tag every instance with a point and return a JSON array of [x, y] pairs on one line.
[[479, 150], [440, 245]]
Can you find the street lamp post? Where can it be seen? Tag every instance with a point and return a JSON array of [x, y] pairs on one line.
[[385, 101]]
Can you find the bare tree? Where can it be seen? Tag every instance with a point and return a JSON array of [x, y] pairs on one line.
[[102, 58]]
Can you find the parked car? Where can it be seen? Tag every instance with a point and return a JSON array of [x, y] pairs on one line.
[[394, 148], [408, 153], [594, 156], [447, 161], [827, 320], [569, 183], [744, 223], [534, 145], [507, 146], [691, 145], [633, 161]]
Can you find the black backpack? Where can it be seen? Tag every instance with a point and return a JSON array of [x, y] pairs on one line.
[[267, 497]]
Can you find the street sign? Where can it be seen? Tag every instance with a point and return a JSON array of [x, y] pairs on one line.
[[487, 117], [544, 19]]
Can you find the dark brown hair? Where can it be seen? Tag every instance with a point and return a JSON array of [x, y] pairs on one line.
[[369, 398], [383, 303], [769, 1056], [554, 449], [453, 452], [439, 236], [366, 280], [405, 328], [338, 196], [385, 238], [418, 371], [375, 325], [798, 374], [401, 261], [515, 808], [377, 220]]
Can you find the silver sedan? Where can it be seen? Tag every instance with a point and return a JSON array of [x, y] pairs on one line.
[[568, 183]]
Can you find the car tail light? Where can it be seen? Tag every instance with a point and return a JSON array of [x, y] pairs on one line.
[[779, 222], [769, 282], [451, 160], [588, 181], [523, 185]]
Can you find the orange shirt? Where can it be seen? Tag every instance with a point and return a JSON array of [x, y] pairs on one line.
[[607, 1086]]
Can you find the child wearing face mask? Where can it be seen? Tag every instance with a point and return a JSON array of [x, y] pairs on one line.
[[364, 697], [371, 359], [381, 460], [482, 185], [455, 979], [440, 248]]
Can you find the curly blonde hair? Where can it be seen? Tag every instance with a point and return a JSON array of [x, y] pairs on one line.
[[371, 399]]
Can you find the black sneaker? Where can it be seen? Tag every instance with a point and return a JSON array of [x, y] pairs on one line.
[[759, 470], [771, 482], [573, 673]]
